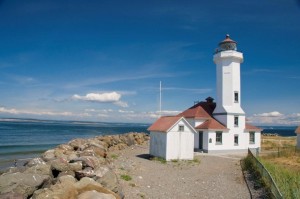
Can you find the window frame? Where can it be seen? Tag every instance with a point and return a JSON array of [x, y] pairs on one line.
[[234, 140], [236, 120], [219, 137], [252, 135], [236, 97], [181, 128]]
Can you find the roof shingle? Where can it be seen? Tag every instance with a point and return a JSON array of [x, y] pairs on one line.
[[164, 123]]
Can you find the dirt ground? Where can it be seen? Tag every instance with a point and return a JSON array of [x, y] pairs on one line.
[[209, 176]]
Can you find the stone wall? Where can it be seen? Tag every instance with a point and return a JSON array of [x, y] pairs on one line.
[[77, 169]]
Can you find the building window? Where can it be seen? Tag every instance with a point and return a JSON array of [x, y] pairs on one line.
[[236, 120], [236, 96], [236, 140], [181, 128], [218, 137], [252, 137]]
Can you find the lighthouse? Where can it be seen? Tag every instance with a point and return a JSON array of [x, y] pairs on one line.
[[228, 110]]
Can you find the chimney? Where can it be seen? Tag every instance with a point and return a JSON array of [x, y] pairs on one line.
[[209, 100]]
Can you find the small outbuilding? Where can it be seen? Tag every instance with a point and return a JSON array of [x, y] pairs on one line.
[[298, 137], [172, 137]]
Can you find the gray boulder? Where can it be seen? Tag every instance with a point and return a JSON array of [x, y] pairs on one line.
[[22, 183], [95, 195]]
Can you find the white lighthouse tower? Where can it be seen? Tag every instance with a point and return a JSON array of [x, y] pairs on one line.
[[228, 110]]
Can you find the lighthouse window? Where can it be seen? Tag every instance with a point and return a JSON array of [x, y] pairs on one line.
[[236, 120], [236, 96], [236, 140]]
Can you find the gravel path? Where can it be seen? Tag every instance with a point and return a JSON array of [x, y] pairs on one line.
[[210, 177]]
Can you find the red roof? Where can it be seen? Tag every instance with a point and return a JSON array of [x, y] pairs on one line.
[[253, 128], [211, 124], [201, 110], [298, 130], [164, 123]]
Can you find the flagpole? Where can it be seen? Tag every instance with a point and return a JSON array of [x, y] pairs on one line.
[[159, 98]]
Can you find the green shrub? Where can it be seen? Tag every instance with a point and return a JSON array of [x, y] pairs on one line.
[[126, 177]]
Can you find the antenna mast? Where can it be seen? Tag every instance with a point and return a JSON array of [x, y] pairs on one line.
[[159, 98]]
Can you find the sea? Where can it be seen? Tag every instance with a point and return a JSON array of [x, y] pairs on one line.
[[23, 139]]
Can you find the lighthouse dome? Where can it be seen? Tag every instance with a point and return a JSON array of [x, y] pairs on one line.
[[227, 44]]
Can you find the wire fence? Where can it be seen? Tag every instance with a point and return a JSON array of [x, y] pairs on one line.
[[280, 151], [266, 176]]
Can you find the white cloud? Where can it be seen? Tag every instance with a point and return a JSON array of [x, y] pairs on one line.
[[275, 118], [270, 114], [109, 97], [34, 112]]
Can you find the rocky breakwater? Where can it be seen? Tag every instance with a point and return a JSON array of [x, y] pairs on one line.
[[79, 169]]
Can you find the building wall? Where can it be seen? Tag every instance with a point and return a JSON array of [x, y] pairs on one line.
[[158, 144], [228, 81], [180, 145], [228, 141], [298, 140]]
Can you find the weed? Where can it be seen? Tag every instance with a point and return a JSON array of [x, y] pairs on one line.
[[159, 159], [114, 156], [132, 184], [126, 177], [142, 195], [175, 160]]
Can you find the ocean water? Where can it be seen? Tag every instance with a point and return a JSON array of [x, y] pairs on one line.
[[21, 139]]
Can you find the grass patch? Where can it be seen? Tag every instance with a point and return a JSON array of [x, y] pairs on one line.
[[126, 177], [287, 180], [174, 161], [248, 164], [159, 159], [114, 156]]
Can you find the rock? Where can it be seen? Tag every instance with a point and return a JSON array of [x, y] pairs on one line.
[[88, 184], [128, 139], [96, 151], [35, 161], [60, 164], [76, 166], [68, 179], [78, 144], [11, 195], [43, 169], [118, 147], [108, 179], [107, 140], [87, 172], [64, 173], [22, 183], [89, 161], [72, 156], [65, 147], [95, 195], [48, 155], [65, 188]]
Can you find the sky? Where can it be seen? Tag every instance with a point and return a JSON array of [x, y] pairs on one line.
[[103, 60]]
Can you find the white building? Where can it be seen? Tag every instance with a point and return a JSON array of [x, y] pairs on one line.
[[216, 127], [298, 137]]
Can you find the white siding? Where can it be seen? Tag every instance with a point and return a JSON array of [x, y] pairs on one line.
[[158, 144], [228, 141], [180, 145]]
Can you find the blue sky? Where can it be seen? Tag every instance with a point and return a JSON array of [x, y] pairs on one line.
[[103, 60]]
